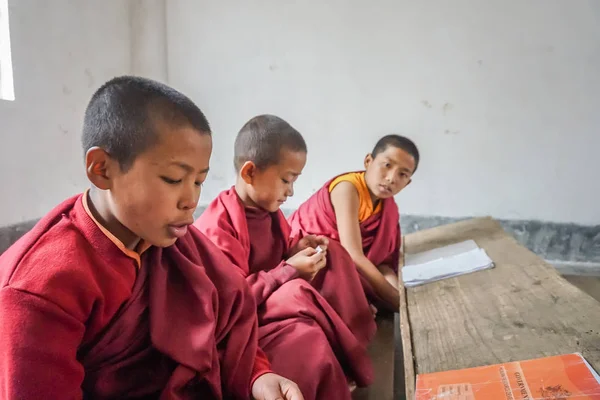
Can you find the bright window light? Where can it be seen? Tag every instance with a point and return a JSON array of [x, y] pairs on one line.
[[7, 88]]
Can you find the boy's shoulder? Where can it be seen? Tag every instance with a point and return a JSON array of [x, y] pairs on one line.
[[348, 182], [344, 191], [222, 204], [225, 212], [347, 176], [54, 260]]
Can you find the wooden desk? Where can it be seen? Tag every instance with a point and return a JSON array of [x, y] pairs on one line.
[[521, 309]]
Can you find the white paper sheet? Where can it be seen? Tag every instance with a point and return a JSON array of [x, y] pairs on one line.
[[444, 262], [440, 252]]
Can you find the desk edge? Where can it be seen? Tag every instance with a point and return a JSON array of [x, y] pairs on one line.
[[405, 332]]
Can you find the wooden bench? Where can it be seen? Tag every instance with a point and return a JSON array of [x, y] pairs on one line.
[[381, 351], [521, 309]]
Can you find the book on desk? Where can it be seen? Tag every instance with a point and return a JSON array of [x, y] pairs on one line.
[[562, 377], [444, 262]]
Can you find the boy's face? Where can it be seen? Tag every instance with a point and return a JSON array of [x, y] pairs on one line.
[[156, 197], [389, 172], [269, 188]]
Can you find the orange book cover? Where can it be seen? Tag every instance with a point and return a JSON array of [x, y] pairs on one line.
[[551, 378]]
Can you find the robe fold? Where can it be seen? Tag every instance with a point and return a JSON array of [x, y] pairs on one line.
[[81, 319], [304, 337], [380, 232]]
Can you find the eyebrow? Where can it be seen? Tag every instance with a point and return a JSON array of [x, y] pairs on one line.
[[188, 168]]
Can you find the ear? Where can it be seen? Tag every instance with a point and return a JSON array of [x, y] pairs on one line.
[[100, 168], [368, 160], [248, 172]]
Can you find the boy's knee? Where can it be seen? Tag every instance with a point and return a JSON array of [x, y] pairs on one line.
[[297, 288]]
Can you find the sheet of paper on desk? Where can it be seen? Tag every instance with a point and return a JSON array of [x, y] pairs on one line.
[[444, 262]]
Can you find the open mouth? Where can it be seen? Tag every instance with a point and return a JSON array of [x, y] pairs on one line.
[[385, 189], [179, 230]]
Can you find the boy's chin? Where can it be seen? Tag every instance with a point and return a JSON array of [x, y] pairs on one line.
[[169, 242], [271, 207], [387, 195], [162, 242]]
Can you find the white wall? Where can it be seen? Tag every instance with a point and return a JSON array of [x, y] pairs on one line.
[[501, 96], [61, 51], [149, 39]]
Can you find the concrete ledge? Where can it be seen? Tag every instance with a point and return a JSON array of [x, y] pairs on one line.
[[10, 234], [552, 241], [578, 268], [572, 249]]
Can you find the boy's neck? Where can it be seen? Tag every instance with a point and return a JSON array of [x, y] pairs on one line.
[[241, 188], [374, 199], [99, 208]]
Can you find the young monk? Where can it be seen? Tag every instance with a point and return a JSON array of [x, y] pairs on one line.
[[303, 336], [358, 210], [113, 294]]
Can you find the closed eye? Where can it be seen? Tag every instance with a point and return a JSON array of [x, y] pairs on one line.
[[285, 181], [170, 181]]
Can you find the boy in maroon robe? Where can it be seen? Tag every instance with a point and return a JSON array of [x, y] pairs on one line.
[[312, 326], [358, 210], [113, 294]]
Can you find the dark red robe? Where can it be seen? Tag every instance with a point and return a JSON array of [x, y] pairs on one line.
[[380, 232], [303, 336], [80, 318]]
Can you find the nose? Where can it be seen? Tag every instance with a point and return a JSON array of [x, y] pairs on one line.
[[391, 177], [189, 198], [290, 190]]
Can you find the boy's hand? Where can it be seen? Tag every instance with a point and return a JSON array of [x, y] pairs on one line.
[[310, 241], [274, 387], [308, 262]]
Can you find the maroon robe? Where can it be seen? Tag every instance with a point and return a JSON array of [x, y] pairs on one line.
[[380, 232], [303, 336], [80, 318]]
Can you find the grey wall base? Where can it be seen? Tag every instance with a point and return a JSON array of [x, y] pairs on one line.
[[572, 249], [10, 234]]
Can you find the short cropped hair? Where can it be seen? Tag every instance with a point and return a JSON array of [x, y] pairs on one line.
[[399, 142], [262, 139], [123, 114]]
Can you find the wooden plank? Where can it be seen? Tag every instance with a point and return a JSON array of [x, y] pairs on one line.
[[521, 309], [399, 384], [381, 351], [590, 285], [405, 332]]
